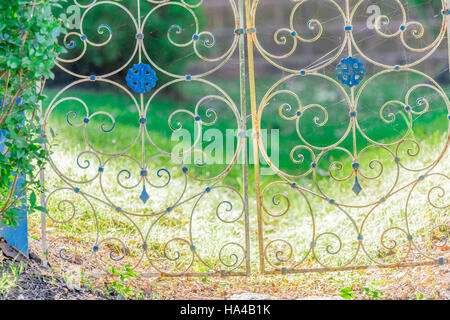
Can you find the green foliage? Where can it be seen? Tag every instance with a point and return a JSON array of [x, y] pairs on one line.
[[28, 50], [370, 291], [9, 281], [347, 293], [121, 287], [419, 296]]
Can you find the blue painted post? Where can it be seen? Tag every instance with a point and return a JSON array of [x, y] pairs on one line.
[[17, 237]]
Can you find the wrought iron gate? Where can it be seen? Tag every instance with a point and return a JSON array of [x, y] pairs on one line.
[[147, 207], [337, 223], [169, 252]]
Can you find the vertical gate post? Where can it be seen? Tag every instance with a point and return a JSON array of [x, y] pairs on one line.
[[448, 33], [243, 84], [42, 182], [255, 127]]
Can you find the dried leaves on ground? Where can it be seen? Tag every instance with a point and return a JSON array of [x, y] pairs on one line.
[[23, 278], [26, 279]]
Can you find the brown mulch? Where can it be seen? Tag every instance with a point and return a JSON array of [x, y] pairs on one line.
[[428, 282], [411, 283], [36, 282]]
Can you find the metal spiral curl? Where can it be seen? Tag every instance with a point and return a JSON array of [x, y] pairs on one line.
[[276, 200], [442, 241], [236, 261], [280, 255], [113, 254], [65, 252], [226, 206], [440, 192]]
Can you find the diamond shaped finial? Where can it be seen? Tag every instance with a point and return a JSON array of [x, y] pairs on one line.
[[144, 195], [357, 187]]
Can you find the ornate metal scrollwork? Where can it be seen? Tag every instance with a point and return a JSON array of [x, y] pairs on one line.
[[171, 253], [355, 160], [337, 190]]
